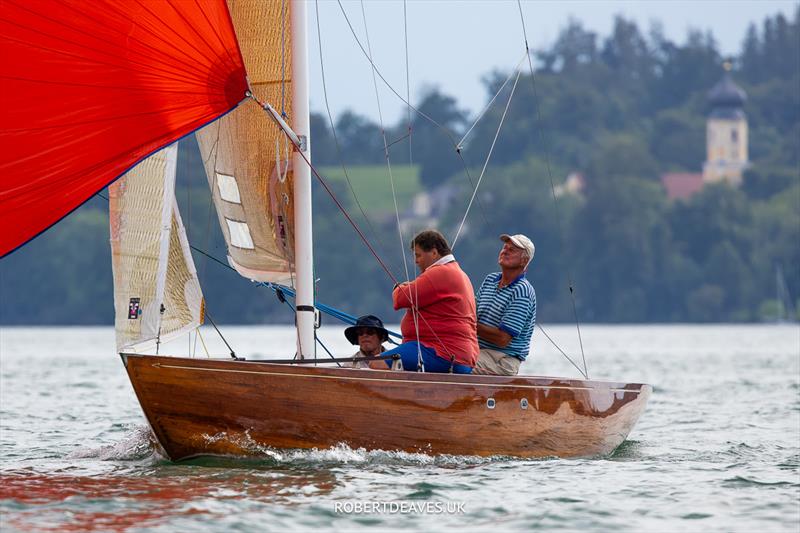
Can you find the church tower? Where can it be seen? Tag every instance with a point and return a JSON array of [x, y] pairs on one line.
[[726, 132]]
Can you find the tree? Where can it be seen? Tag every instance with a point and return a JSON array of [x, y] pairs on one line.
[[627, 54], [360, 139], [517, 199], [63, 276], [575, 46], [705, 304], [677, 139], [620, 248], [621, 155], [684, 71], [750, 58], [762, 182], [718, 214], [323, 146], [728, 269], [433, 145], [349, 276]]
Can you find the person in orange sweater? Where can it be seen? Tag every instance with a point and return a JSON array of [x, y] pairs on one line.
[[440, 325]]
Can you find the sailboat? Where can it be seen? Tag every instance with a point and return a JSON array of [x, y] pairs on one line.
[[99, 97], [785, 309]]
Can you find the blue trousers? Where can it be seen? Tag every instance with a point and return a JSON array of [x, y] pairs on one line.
[[432, 362]]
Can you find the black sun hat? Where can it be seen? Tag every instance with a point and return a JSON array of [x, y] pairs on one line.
[[366, 321]]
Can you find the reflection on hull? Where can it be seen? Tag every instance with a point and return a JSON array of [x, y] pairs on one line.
[[211, 407]]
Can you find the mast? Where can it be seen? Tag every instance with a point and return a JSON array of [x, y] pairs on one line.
[[303, 242], [780, 311]]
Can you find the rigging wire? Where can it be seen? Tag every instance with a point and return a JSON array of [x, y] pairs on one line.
[[232, 354], [391, 178], [319, 341], [188, 225], [420, 362], [427, 117], [552, 184], [282, 291], [385, 142], [488, 157], [400, 139], [202, 341], [335, 199], [408, 84], [337, 144], [489, 105], [541, 328], [279, 293], [352, 222], [207, 236]]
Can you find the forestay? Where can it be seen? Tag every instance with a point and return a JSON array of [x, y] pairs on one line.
[[157, 295], [247, 157]]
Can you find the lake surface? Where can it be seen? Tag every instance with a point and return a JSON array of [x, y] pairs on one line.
[[718, 448]]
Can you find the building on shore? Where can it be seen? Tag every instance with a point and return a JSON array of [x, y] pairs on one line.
[[726, 143]]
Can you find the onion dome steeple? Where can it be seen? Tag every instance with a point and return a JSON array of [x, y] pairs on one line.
[[726, 98], [726, 132]]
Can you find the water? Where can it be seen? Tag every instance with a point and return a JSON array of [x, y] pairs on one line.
[[718, 448]]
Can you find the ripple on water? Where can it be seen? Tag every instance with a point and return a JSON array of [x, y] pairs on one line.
[[751, 481], [136, 445], [711, 452], [696, 516], [792, 462]]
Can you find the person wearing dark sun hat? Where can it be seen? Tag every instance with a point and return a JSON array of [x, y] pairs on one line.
[[369, 335]]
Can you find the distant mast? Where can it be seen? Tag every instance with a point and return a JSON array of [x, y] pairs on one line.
[[304, 252]]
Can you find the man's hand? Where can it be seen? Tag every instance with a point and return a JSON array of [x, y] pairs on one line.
[[496, 336]]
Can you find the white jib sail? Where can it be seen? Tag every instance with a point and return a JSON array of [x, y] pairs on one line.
[[157, 295]]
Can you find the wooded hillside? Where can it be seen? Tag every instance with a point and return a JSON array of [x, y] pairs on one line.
[[619, 110]]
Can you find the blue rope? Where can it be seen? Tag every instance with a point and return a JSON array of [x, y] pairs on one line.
[[315, 337], [328, 310]]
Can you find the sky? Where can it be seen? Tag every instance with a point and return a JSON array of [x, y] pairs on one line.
[[452, 44]]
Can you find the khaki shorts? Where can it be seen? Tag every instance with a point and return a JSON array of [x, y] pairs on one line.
[[496, 363]]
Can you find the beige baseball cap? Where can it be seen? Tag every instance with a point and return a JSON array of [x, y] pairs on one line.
[[520, 241]]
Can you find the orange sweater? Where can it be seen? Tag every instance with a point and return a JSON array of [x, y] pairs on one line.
[[445, 302]]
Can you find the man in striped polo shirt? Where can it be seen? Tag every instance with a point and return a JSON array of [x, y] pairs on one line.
[[506, 305]]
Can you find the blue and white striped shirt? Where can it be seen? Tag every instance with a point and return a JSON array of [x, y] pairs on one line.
[[511, 309]]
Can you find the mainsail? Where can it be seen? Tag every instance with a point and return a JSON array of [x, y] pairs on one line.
[[157, 294], [247, 156], [90, 89]]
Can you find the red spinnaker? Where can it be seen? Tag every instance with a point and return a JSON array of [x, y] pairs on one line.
[[88, 89]]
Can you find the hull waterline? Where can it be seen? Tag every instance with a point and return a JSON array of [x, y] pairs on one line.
[[213, 407]]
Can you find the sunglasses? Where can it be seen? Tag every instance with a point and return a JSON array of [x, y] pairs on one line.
[[366, 331]]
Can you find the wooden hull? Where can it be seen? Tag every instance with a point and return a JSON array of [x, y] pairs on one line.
[[214, 407]]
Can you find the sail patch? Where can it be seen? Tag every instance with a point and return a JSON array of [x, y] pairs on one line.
[[240, 234], [228, 189]]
